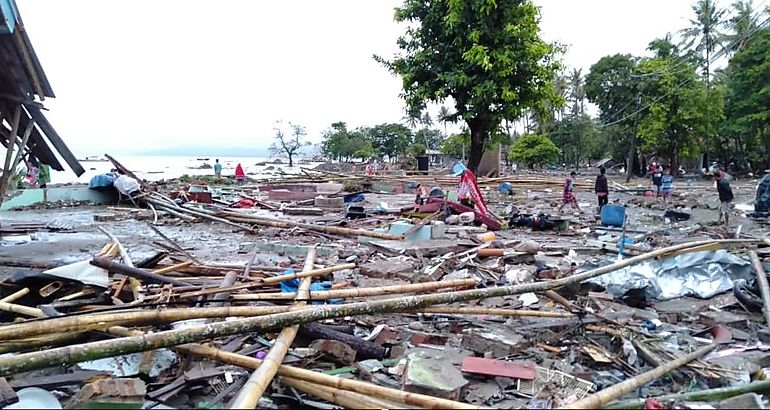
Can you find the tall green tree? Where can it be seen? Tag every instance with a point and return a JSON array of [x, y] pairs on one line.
[[456, 144], [390, 139], [430, 138], [534, 149], [485, 54], [578, 138], [705, 35], [678, 109], [742, 23], [615, 86], [747, 101]]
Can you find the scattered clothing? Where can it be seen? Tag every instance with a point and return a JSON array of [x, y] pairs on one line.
[[539, 222]]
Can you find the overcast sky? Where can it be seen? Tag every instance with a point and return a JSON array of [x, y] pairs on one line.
[[131, 76]]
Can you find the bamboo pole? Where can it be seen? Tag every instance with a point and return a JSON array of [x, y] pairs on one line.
[[134, 283], [133, 272], [21, 309], [255, 386], [764, 290], [333, 230], [364, 292], [307, 273], [492, 312], [103, 320], [271, 281], [411, 399], [174, 244], [700, 395], [600, 398], [15, 296], [125, 345], [172, 268], [347, 399]]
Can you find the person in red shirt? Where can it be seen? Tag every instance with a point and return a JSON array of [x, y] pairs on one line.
[[240, 176]]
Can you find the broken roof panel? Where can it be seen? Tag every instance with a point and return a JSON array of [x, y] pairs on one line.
[[21, 79]]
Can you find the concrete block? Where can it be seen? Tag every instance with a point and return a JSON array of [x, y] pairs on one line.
[[744, 401], [434, 375], [115, 393], [386, 269], [337, 350], [496, 343], [332, 203]]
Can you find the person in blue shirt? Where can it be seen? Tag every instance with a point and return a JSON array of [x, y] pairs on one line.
[[217, 169], [667, 185]]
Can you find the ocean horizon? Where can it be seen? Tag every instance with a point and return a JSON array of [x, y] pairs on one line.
[[159, 167]]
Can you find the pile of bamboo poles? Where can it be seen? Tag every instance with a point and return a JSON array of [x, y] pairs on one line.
[[148, 293]]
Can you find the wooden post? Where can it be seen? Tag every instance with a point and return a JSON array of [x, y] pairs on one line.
[[9, 153], [764, 290], [24, 139], [252, 390]]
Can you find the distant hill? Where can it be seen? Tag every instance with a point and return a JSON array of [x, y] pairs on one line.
[[191, 151]]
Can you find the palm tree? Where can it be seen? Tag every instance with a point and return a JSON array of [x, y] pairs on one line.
[[577, 92], [743, 22], [443, 116], [704, 35], [426, 120], [410, 120]]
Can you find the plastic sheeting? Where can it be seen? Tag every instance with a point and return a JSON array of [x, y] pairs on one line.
[[701, 274]]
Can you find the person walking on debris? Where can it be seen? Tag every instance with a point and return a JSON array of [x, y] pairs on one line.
[[217, 168], [725, 197], [568, 196], [240, 176], [601, 188], [657, 180], [667, 185]]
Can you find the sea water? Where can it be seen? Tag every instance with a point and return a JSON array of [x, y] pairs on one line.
[[155, 168]]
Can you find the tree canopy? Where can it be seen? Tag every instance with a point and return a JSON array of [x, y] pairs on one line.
[[487, 55], [534, 149]]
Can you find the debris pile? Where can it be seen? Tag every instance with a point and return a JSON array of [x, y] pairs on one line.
[[377, 299]]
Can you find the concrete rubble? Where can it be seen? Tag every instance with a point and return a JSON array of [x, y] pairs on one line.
[[291, 293]]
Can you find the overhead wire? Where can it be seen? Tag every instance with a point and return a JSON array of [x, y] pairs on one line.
[[713, 58]]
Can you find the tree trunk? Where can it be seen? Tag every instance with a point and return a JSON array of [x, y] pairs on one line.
[[479, 136], [291, 159]]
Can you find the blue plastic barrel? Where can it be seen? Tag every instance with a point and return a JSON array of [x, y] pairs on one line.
[[613, 215]]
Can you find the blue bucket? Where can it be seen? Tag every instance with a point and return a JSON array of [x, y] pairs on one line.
[[613, 215]]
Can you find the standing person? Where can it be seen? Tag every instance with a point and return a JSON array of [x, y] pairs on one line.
[[240, 176], [568, 197], [725, 196], [667, 185], [44, 177], [601, 188], [657, 180], [33, 171], [217, 169]]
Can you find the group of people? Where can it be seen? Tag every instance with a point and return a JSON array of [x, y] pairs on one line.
[[662, 183], [240, 176]]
